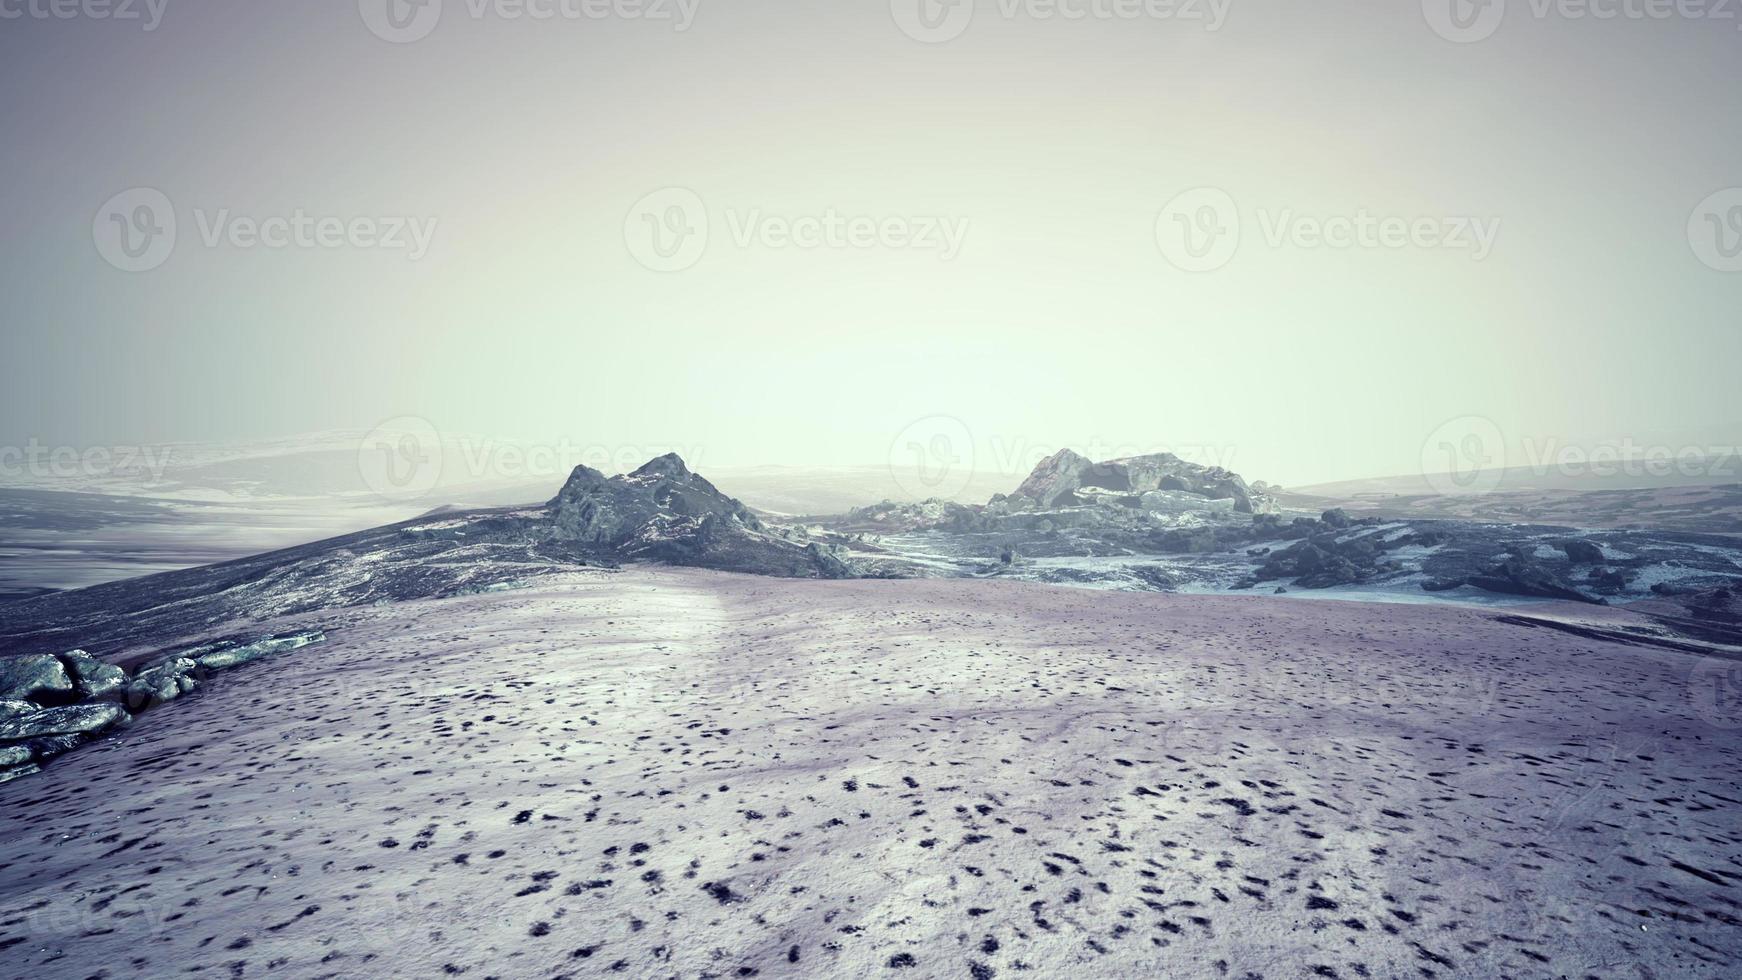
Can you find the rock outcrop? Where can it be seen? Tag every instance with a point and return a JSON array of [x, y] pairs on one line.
[[665, 512], [39, 677], [614, 512], [53, 704], [1054, 481], [1068, 478], [95, 679]]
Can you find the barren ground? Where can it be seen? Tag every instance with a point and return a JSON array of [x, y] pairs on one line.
[[678, 773]]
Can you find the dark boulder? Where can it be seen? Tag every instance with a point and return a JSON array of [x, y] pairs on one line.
[[96, 680], [1527, 577], [1582, 552], [1054, 478], [164, 682], [76, 719], [247, 653], [18, 772], [37, 677]]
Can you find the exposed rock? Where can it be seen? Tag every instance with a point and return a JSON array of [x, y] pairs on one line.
[[95, 679], [7, 775], [664, 512], [13, 755], [1182, 502], [1527, 577], [1336, 517], [38, 677], [615, 512], [1582, 552], [831, 566], [50, 746], [1068, 478], [70, 720], [16, 709], [236, 656], [1053, 481], [164, 682]]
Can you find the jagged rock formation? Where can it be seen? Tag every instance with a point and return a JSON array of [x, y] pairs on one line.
[[665, 512], [662, 497], [1068, 478], [662, 512], [1055, 478], [51, 704], [1126, 503]]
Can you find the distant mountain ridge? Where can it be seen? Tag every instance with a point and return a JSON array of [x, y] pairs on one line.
[[661, 512]]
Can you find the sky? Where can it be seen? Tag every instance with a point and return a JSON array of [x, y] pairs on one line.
[[1309, 241]]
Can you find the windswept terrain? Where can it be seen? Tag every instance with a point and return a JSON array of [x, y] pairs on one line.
[[580, 738], [685, 773]]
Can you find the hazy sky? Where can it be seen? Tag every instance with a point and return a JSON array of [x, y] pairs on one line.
[[990, 226]]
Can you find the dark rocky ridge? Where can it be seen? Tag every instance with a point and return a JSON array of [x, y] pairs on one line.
[[160, 626], [50, 705], [1158, 523], [1068, 477], [662, 512], [156, 638]]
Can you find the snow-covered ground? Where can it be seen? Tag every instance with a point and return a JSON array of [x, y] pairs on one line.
[[678, 773]]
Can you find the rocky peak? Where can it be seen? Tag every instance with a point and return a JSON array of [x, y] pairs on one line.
[[660, 499], [1055, 477], [582, 481], [1060, 479], [669, 467]]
